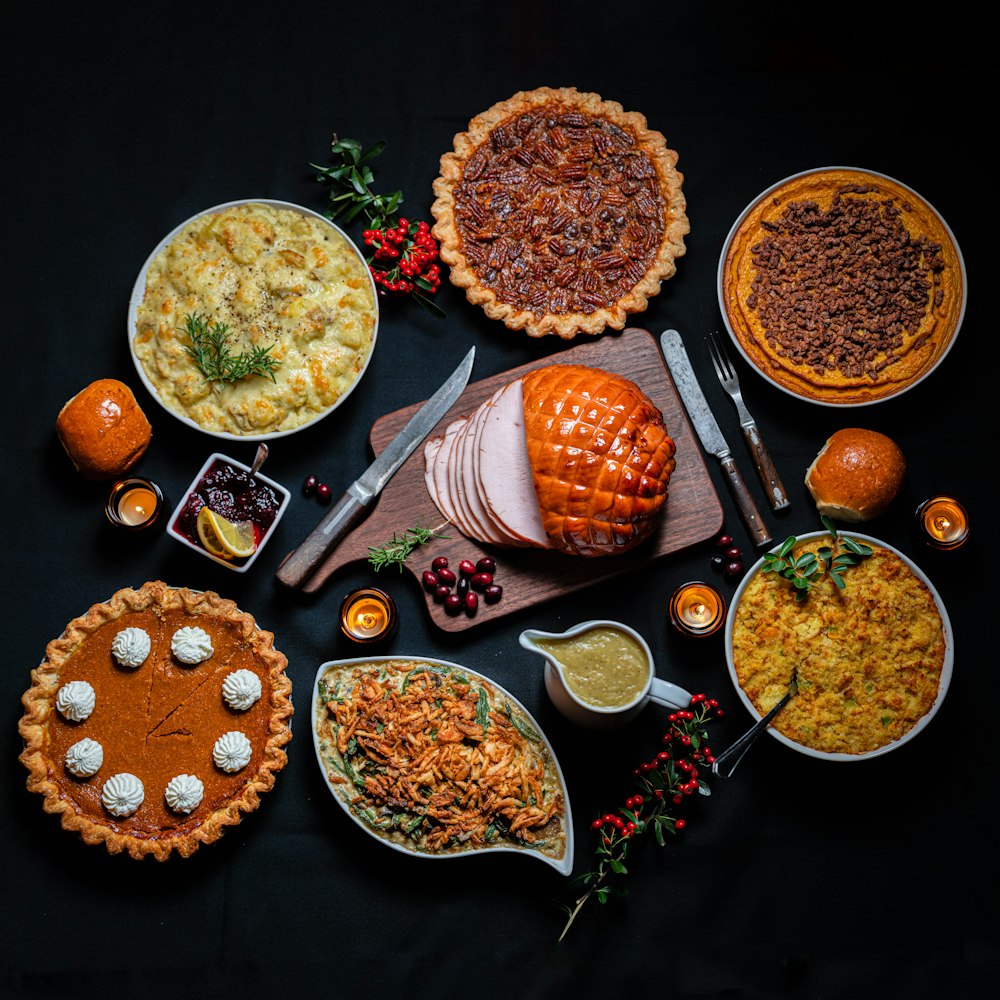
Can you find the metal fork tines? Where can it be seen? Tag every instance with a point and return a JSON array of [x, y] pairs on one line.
[[765, 465]]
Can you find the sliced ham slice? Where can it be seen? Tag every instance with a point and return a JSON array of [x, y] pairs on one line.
[[505, 472]]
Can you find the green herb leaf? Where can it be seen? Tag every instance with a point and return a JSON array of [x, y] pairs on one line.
[[210, 351], [396, 551]]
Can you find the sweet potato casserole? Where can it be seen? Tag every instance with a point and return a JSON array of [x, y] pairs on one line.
[[275, 279], [437, 760], [867, 659]]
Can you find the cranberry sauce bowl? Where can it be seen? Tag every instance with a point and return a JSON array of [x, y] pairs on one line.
[[227, 514]]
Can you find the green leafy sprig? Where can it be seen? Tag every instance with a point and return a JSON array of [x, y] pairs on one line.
[[663, 784], [350, 180], [805, 569], [210, 351], [396, 551]]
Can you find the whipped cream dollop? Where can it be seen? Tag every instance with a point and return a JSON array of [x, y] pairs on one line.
[[84, 758], [191, 644], [122, 794], [232, 751], [241, 689], [76, 701], [184, 793], [130, 647]]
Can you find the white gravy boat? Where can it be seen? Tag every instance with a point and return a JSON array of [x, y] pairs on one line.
[[595, 716]]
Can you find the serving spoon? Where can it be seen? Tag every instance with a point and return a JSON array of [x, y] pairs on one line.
[[725, 763], [258, 460]]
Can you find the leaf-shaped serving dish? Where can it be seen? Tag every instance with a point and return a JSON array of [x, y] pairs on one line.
[[438, 761]]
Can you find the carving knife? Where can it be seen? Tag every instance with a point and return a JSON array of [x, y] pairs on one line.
[[353, 506], [709, 433]]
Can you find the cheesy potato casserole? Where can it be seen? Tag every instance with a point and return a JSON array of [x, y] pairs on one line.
[[867, 659], [278, 280]]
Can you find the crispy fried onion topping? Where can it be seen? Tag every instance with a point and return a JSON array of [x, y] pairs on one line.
[[428, 755]]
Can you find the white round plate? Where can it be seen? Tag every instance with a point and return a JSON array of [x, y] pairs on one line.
[[139, 290], [720, 292], [946, 668]]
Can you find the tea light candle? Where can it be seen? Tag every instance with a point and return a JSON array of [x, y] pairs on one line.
[[697, 608], [134, 503], [944, 522], [367, 615]]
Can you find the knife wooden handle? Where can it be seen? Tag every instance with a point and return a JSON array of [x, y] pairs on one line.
[[773, 487], [299, 565], [748, 509]]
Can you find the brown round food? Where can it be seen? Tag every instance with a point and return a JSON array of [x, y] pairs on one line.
[[128, 733], [867, 659], [559, 212], [842, 286], [856, 474], [103, 429]]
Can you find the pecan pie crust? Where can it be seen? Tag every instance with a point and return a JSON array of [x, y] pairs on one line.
[[156, 721], [559, 212]]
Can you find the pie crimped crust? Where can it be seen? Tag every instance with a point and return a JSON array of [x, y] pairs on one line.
[[559, 212], [158, 720]]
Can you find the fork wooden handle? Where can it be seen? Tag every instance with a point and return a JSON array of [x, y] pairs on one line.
[[773, 487], [748, 509]]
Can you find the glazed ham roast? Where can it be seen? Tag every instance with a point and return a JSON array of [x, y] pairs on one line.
[[568, 457]]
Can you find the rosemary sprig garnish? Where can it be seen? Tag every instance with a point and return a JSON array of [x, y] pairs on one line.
[[805, 569], [210, 351], [398, 548]]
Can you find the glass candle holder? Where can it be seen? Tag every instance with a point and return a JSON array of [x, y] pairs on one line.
[[368, 615], [697, 608], [943, 522], [134, 503]]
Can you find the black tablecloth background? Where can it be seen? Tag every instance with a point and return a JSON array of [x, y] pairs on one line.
[[796, 877]]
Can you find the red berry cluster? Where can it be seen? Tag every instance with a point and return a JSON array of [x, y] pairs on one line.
[[664, 781], [404, 258], [472, 580], [729, 559], [313, 485]]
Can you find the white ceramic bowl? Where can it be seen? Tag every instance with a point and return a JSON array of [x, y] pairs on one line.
[[946, 669], [139, 290], [243, 565], [720, 279], [563, 864]]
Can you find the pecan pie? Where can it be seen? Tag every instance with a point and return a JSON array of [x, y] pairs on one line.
[[156, 720], [559, 212], [842, 286]]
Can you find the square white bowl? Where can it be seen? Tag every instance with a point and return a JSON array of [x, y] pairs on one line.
[[237, 567]]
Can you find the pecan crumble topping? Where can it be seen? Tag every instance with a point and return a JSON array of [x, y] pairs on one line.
[[560, 211], [839, 289]]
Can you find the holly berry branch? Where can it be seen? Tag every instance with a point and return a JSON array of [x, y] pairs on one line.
[[663, 782], [404, 255]]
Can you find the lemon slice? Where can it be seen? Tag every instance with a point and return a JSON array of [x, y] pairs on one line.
[[224, 538]]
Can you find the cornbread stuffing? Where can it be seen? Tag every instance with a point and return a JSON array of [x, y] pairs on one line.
[[869, 657], [279, 280], [437, 760]]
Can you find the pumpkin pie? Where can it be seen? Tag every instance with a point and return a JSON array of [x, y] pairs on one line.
[[559, 212], [842, 286], [156, 720]]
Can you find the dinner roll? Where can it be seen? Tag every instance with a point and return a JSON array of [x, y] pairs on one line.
[[103, 429], [856, 475]]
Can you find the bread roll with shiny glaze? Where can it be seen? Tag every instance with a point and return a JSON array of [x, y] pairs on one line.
[[856, 474], [103, 429]]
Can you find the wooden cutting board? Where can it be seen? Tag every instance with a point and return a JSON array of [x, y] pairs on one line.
[[692, 513]]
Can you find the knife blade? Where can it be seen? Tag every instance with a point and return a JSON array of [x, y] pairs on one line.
[[350, 510], [708, 431]]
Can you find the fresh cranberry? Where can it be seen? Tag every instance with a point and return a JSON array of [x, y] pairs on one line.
[[324, 492], [733, 553], [493, 593], [480, 581], [430, 581], [486, 565], [453, 604], [733, 569], [309, 486], [441, 593], [471, 603], [466, 567], [440, 563], [724, 541], [446, 576]]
